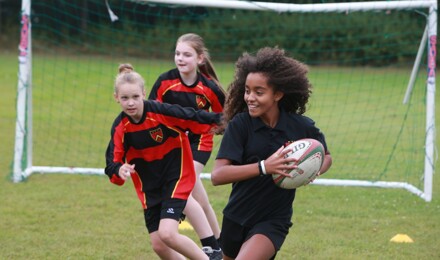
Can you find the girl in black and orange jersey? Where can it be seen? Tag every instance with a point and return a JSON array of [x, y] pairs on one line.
[[194, 83], [264, 110], [149, 143]]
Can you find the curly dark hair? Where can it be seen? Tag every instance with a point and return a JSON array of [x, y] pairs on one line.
[[283, 73]]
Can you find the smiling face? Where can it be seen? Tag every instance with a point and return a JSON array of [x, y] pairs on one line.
[[186, 58], [261, 99], [131, 98]]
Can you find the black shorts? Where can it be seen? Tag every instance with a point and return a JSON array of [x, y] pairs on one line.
[[200, 156], [171, 208], [233, 235]]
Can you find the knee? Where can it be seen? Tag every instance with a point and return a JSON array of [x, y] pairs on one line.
[[167, 236], [159, 247]]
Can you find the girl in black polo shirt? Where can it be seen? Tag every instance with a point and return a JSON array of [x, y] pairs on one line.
[[276, 90]]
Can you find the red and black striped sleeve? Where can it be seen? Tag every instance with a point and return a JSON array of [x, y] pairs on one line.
[[185, 118], [115, 153], [164, 83], [154, 90]]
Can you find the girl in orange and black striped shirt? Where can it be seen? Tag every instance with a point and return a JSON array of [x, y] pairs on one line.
[[148, 143]]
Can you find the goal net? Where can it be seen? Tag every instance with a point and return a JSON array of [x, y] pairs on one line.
[[372, 67]]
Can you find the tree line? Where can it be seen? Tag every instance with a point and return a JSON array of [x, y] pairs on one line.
[[360, 38]]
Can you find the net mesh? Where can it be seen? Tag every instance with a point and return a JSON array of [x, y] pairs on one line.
[[360, 64]]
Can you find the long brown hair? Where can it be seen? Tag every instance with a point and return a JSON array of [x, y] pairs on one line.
[[206, 67]]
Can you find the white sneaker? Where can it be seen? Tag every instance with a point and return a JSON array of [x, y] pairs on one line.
[[212, 253]]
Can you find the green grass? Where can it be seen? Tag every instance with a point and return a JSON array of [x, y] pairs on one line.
[[54, 216]]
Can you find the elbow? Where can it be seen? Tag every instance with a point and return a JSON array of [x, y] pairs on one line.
[[220, 172], [327, 163], [215, 178]]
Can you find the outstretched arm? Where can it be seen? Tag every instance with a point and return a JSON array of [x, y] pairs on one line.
[[185, 118]]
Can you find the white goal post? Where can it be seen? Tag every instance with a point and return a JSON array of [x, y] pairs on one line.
[[22, 162]]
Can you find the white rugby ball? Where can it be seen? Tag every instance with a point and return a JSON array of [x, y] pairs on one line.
[[309, 154]]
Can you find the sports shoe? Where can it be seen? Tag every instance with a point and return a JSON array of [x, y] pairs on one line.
[[212, 253]]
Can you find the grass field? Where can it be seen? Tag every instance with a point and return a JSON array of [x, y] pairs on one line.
[[86, 217]]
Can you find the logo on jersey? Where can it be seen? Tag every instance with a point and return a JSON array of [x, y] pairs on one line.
[[201, 101], [157, 135]]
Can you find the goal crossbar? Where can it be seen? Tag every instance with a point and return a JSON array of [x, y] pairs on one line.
[[306, 8]]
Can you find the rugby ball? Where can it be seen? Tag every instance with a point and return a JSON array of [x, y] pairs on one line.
[[309, 154]]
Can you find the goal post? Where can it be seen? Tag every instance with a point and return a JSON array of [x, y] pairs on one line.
[[430, 104], [23, 126], [359, 77]]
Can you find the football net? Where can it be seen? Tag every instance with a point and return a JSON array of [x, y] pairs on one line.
[[372, 66]]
